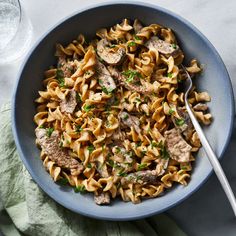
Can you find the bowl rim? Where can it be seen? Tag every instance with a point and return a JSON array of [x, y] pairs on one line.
[[99, 5]]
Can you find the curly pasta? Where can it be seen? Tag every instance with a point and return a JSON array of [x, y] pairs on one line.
[[111, 118]]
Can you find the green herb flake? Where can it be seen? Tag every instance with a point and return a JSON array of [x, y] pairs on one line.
[[137, 37], [89, 165], [138, 144], [171, 111], [142, 166], [62, 181], [184, 168], [122, 173], [118, 150], [130, 74], [80, 189], [87, 108], [59, 74], [164, 153], [78, 128], [106, 90], [125, 117], [49, 131], [111, 163], [154, 144], [112, 46], [131, 44], [179, 122], [169, 75], [174, 45], [137, 99], [41, 127], [78, 98], [91, 148]]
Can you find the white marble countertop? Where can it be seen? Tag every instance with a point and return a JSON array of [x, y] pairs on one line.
[[206, 212]]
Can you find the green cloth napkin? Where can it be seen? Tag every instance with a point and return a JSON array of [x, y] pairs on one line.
[[26, 210]]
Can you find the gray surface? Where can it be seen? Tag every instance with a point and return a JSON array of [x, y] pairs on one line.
[[207, 212]]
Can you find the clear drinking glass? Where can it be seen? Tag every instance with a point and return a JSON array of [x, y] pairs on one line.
[[15, 31]]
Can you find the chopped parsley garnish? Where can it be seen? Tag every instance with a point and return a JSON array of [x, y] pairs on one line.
[[59, 74], [137, 37], [169, 75], [91, 148], [41, 127], [116, 101], [118, 150], [78, 128], [143, 153], [174, 45], [89, 165], [179, 122], [142, 166], [130, 74], [125, 117], [112, 46], [154, 144], [131, 44], [87, 108], [171, 111], [106, 91], [60, 77], [49, 131], [163, 151], [138, 99], [122, 173], [78, 97], [111, 163], [62, 181], [184, 168], [80, 189], [138, 144]]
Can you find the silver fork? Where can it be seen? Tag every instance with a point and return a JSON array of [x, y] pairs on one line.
[[211, 155]]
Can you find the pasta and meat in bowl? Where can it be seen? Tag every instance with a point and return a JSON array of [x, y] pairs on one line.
[[112, 120]]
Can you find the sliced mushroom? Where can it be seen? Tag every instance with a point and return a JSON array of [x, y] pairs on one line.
[[105, 79], [162, 46], [110, 55], [130, 121]]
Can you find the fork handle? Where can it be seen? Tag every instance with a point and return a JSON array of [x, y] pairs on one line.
[[213, 160]]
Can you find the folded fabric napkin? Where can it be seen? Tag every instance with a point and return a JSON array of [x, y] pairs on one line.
[[26, 210]]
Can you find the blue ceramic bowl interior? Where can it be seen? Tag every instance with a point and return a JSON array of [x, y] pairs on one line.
[[214, 80]]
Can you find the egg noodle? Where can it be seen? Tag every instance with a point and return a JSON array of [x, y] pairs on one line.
[[111, 118]]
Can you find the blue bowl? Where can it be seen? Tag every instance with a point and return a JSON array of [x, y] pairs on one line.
[[214, 80]]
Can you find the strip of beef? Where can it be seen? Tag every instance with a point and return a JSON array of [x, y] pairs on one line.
[[130, 121], [102, 199], [60, 156], [162, 46], [105, 79], [69, 103], [200, 107], [141, 177], [108, 54], [177, 147]]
